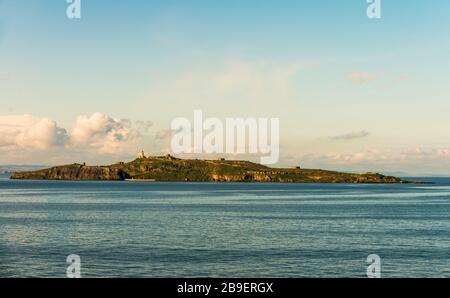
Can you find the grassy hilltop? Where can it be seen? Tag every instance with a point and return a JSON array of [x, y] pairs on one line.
[[169, 168]]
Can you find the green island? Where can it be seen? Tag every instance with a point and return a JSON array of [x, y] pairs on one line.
[[171, 169]]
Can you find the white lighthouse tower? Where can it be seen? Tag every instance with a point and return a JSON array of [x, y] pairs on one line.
[[142, 155]]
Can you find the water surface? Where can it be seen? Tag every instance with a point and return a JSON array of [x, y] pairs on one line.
[[123, 229]]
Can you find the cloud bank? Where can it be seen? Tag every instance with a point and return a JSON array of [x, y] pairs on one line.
[[29, 132], [94, 134], [351, 136], [100, 138], [104, 134], [361, 78]]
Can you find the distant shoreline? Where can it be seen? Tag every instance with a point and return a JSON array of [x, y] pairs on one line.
[[171, 169], [140, 180]]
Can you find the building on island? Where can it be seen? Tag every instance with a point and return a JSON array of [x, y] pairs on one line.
[[169, 157], [142, 155]]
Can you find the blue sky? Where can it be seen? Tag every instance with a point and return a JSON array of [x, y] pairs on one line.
[[323, 67]]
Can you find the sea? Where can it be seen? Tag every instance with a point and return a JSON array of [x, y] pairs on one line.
[[126, 229]]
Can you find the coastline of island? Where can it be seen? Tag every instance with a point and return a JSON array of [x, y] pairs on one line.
[[171, 169]]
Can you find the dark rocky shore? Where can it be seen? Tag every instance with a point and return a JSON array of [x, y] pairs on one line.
[[74, 172], [169, 168]]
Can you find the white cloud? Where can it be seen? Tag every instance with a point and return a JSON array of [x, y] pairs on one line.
[[29, 132], [352, 135], [144, 126], [95, 135], [380, 156], [416, 161], [361, 77], [103, 133], [164, 134], [253, 79], [256, 86]]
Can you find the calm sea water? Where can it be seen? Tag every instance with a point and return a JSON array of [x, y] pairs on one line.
[[122, 229]]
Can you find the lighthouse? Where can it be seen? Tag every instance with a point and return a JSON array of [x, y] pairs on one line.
[[142, 155]]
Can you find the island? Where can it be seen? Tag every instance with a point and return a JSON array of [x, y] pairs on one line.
[[171, 169]]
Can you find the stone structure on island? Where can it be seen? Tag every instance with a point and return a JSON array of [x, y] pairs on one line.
[[169, 168], [142, 155]]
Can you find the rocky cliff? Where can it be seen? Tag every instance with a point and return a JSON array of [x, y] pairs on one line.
[[74, 172], [173, 169]]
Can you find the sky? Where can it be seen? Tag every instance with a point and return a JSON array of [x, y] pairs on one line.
[[351, 93]]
